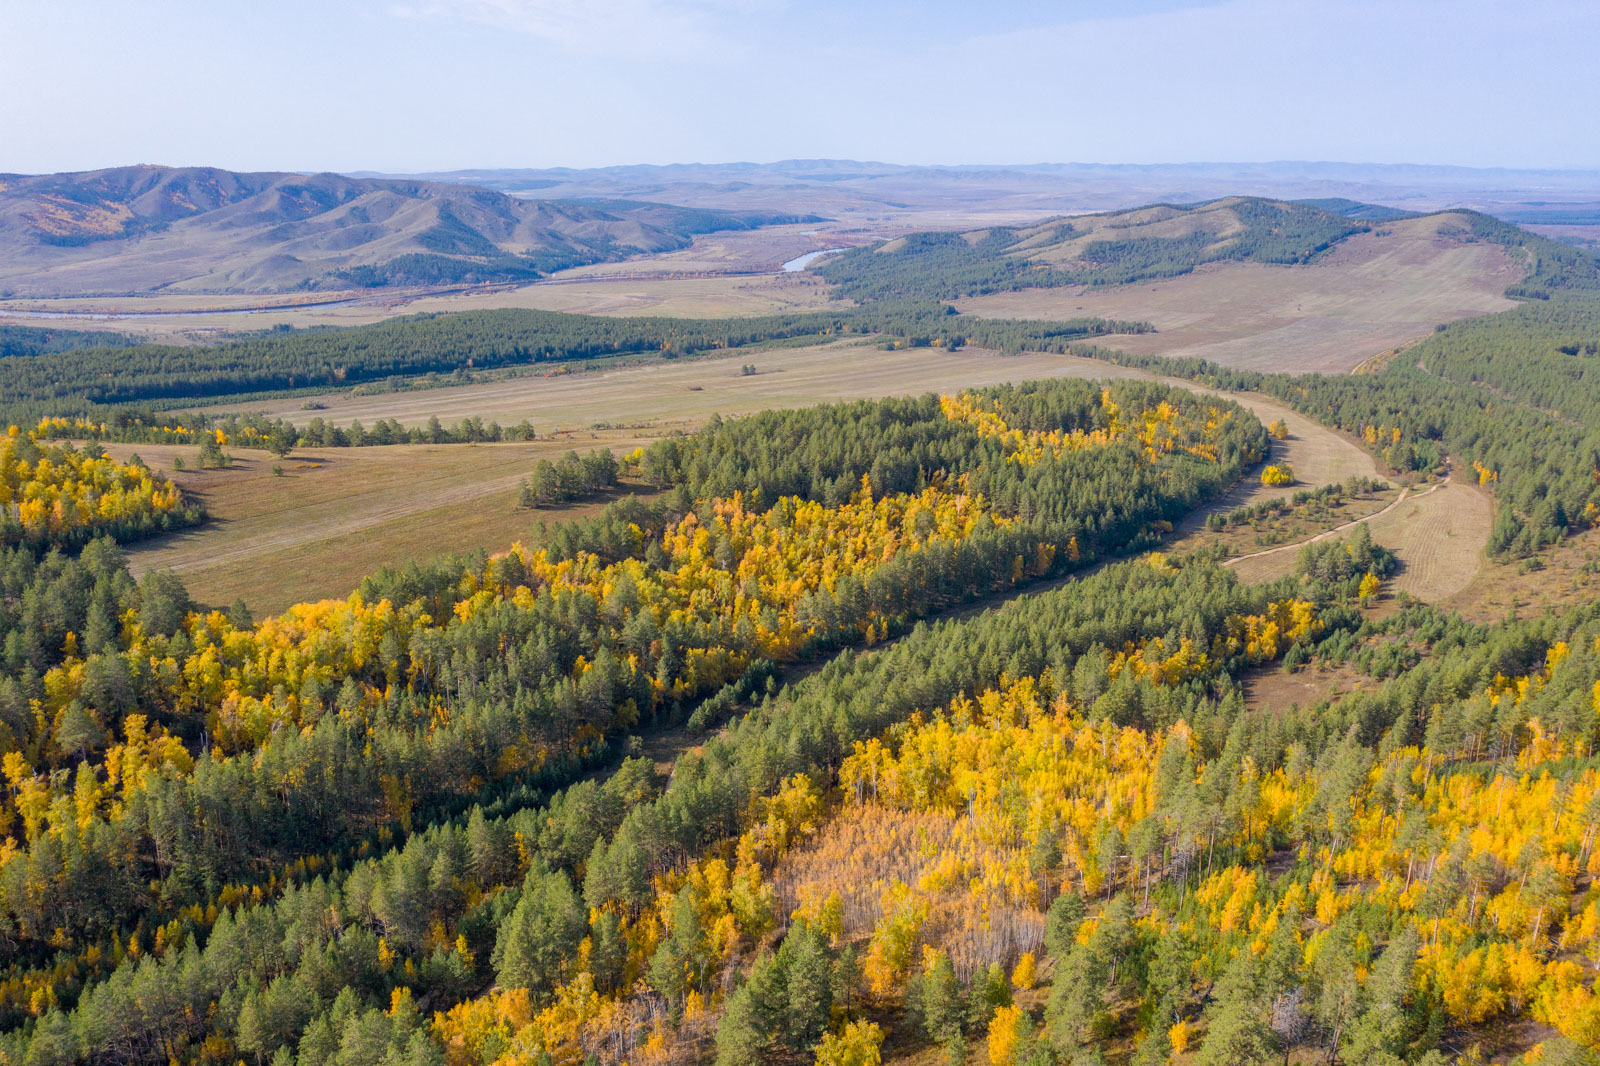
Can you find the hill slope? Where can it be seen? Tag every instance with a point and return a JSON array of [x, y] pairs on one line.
[[1167, 241], [1162, 240], [1373, 292], [201, 229]]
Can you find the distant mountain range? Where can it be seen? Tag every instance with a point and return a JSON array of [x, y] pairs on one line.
[[205, 230], [843, 187]]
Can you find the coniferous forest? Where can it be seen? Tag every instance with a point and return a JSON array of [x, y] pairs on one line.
[[54, 376], [178, 773], [884, 730]]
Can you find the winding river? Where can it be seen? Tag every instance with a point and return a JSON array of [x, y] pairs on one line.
[[801, 262]]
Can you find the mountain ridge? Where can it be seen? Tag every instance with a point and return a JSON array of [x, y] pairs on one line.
[[205, 229], [840, 186]]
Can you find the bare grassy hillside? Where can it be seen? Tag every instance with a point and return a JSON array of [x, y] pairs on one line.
[[1372, 292]]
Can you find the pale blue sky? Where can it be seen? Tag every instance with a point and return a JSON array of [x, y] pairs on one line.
[[409, 85]]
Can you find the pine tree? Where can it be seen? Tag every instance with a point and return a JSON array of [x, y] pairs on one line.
[[809, 979], [541, 934], [939, 1002], [608, 950], [753, 1024], [682, 958], [1238, 1034]]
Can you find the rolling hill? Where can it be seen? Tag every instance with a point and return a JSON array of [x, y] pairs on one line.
[[1166, 241], [1161, 240], [201, 229]]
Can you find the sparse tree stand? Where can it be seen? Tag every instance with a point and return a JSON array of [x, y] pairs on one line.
[[569, 478], [211, 454], [282, 441]]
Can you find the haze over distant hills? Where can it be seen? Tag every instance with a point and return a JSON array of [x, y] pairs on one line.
[[203, 229], [848, 185]]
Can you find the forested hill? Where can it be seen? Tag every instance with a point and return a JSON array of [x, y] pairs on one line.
[[1158, 241], [1358, 210], [34, 340], [209, 818], [200, 229]]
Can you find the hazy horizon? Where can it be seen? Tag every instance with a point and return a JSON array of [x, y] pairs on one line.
[[445, 85], [1034, 165]]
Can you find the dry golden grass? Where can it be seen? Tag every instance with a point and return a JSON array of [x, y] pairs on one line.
[[1438, 536], [709, 297], [341, 513], [672, 393], [1373, 292], [1565, 576], [767, 248], [338, 514], [1439, 539], [1319, 456], [685, 297], [1271, 686]]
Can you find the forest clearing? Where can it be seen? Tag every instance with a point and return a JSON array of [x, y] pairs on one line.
[[1438, 533], [676, 391], [339, 513]]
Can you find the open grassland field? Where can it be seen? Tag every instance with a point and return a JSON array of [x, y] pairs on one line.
[[341, 513], [1290, 525], [1564, 576], [1438, 535], [1583, 235], [686, 297], [669, 393], [1372, 292], [1318, 455], [680, 297], [1439, 538], [731, 252], [338, 514]]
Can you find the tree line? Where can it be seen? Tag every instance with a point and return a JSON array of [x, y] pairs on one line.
[[1512, 395], [84, 382]]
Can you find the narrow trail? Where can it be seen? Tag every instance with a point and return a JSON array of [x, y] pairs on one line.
[[1405, 494]]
